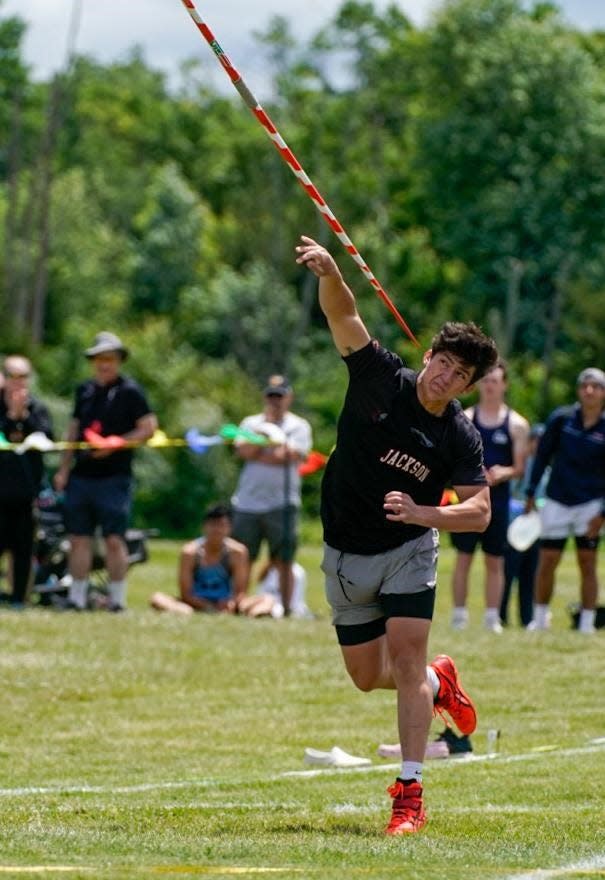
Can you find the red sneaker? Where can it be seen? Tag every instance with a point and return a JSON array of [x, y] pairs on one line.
[[408, 812], [451, 697]]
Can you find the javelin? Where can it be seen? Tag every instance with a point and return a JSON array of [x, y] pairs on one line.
[[291, 160]]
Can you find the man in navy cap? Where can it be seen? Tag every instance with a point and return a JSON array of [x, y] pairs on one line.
[[99, 484], [574, 445]]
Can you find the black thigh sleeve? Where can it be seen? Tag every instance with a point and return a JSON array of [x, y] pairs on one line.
[[409, 604], [358, 633]]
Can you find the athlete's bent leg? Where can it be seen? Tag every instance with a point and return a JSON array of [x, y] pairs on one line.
[[368, 664], [407, 640]]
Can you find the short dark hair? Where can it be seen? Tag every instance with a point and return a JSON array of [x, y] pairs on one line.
[[500, 365], [217, 511], [469, 343]]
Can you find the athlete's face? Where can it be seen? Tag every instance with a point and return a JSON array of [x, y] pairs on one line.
[[493, 386], [444, 377]]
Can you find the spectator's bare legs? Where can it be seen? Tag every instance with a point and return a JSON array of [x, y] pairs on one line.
[[80, 563], [256, 606], [545, 575], [248, 568], [494, 580], [116, 560], [544, 586], [286, 583], [80, 556], [587, 563], [460, 578]]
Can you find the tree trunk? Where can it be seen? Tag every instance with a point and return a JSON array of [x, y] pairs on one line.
[[553, 324], [516, 270], [42, 190], [42, 239], [14, 303]]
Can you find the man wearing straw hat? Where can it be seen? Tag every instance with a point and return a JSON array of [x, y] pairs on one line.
[[402, 437], [99, 486]]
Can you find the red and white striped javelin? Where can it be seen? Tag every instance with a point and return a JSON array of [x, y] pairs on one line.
[[295, 166]]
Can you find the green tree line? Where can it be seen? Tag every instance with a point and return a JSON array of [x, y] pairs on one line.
[[465, 158]]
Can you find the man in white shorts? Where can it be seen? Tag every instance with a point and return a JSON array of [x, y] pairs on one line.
[[574, 444]]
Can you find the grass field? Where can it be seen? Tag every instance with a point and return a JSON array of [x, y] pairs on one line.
[[143, 745]]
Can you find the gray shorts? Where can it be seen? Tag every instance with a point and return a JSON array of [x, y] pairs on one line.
[[358, 587], [279, 528]]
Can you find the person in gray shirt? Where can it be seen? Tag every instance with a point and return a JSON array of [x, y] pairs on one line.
[[266, 502]]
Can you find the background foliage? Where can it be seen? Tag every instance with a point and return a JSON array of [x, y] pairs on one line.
[[466, 159]]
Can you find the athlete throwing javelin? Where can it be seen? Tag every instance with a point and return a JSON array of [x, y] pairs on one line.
[[402, 437]]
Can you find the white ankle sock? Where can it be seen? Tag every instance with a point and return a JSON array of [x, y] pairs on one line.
[[587, 619], [78, 590], [541, 616], [117, 593], [433, 680], [491, 620], [411, 770]]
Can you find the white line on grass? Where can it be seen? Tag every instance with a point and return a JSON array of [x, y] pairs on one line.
[[158, 869], [449, 763], [300, 774], [494, 809], [223, 869], [594, 866], [41, 869]]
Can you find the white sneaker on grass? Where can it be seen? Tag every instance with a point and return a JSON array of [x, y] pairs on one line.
[[541, 620]]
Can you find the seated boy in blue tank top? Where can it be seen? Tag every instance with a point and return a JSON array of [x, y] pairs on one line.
[[213, 569]]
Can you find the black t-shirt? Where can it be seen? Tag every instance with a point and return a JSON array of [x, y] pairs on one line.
[[108, 409], [387, 441], [21, 475]]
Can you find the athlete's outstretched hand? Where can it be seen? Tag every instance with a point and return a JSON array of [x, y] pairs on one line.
[[316, 258]]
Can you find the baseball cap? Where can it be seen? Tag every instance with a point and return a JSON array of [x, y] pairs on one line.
[[277, 385], [592, 374]]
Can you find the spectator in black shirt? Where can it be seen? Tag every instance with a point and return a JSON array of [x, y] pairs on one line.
[[99, 486], [402, 437], [20, 475]]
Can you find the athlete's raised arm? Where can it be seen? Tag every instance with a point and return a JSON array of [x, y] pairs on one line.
[[335, 297]]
